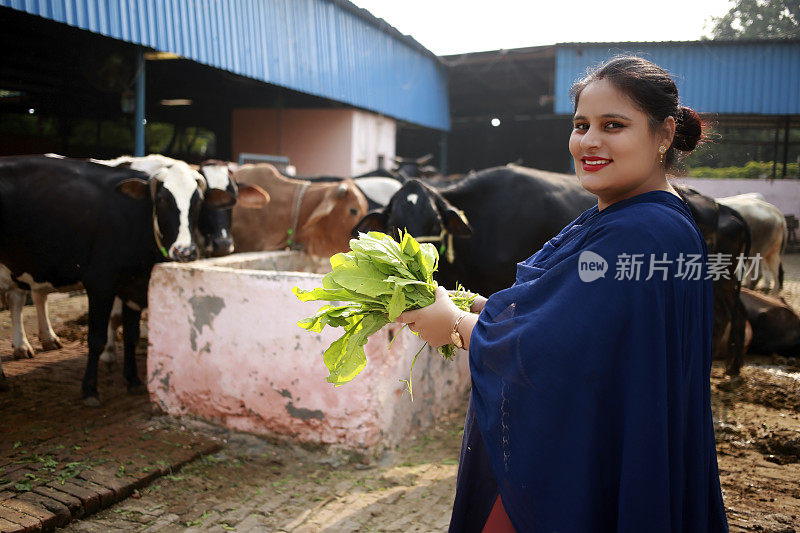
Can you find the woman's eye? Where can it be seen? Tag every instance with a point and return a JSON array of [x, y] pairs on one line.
[[581, 127], [614, 125]]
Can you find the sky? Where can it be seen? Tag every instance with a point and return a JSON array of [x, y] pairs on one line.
[[458, 26]]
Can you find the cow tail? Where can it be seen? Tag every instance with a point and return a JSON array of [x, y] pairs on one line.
[[780, 276]]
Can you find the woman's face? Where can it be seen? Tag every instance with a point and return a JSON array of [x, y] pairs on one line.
[[615, 152]]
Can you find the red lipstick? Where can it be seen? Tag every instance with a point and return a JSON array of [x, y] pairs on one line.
[[593, 164]]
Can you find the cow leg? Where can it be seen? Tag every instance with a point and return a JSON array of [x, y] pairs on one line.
[[774, 266], [737, 342], [3, 381], [47, 336], [19, 341], [109, 355], [130, 336], [100, 303]]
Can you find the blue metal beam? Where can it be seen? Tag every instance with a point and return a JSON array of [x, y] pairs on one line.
[[725, 77], [139, 117]]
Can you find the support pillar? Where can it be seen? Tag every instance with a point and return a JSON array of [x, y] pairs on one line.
[[139, 116]]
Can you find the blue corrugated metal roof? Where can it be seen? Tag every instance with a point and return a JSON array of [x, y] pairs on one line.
[[754, 77], [327, 48]]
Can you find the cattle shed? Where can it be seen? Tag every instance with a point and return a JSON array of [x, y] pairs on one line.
[[514, 105], [320, 81], [515, 89]]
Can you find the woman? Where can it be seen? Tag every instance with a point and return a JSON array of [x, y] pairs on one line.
[[590, 406]]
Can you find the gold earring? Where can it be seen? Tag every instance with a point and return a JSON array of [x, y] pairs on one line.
[[662, 150]]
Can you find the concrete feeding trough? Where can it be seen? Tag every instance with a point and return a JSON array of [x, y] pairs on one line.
[[225, 347]]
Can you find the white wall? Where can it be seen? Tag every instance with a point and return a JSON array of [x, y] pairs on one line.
[[373, 136], [785, 194]]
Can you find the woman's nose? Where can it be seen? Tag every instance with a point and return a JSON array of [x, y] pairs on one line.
[[590, 139]]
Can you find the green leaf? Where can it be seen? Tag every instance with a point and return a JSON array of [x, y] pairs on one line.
[[379, 247], [376, 281], [404, 281], [345, 358], [336, 316], [397, 304], [430, 260], [332, 295], [361, 278]]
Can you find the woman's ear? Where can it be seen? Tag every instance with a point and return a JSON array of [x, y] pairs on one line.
[[667, 133]]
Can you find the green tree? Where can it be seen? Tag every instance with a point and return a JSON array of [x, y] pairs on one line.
[[758, 19]]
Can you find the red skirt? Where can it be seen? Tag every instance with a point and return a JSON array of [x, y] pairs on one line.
[[498, 521]]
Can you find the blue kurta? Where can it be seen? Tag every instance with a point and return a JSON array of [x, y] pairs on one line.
[[590, 407]]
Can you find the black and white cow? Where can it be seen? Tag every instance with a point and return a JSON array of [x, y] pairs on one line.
[[103, 227], [506, 212], [214, 225], [212, 234]]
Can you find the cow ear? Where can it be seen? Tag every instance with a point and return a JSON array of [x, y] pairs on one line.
[[219, 199], [322, 210], [454, 220], [329, 202], [252, 196], [456, 223], [372, 221], [135, 188]]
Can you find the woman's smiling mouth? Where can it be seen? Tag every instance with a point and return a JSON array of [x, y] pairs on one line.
[[592, 164]]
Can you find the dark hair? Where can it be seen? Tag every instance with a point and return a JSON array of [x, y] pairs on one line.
[[653, 91]]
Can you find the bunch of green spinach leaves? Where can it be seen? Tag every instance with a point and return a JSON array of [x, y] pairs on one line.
[[369, 287]]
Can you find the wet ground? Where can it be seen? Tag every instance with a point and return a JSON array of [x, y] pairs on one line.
[[255, 485]]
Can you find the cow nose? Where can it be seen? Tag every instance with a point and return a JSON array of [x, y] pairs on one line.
[[221, 246], [184, 253]]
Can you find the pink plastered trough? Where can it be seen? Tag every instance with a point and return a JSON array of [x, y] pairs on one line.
[[225, 347]]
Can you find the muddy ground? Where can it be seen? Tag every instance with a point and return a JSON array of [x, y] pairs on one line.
[[256, 485]]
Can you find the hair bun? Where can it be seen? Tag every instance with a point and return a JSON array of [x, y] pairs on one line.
[[688, 129]]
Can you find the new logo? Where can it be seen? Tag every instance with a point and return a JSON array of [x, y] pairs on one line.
[[591, 266]]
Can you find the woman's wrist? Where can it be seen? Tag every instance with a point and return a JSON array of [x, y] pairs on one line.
[[465, 327]]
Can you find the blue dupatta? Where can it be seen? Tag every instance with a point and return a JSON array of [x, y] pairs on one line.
[[590, 407]]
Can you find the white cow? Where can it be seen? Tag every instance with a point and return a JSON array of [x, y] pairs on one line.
[[768, 235]]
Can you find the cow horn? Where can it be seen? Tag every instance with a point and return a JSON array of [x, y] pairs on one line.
[[341, 190]]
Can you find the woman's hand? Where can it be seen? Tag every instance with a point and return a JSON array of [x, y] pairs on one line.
[[478, 304], [434, 323]]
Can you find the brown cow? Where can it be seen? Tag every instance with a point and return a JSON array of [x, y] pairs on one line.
[[776, 327], [315, 217]]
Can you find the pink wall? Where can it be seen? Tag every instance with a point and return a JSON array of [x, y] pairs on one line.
[[319, 141], [341, 142], [224, 346]]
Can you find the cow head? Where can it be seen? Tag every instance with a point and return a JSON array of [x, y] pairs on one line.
[[176, 192], [214, 225], [418, 209], [327, 229]]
